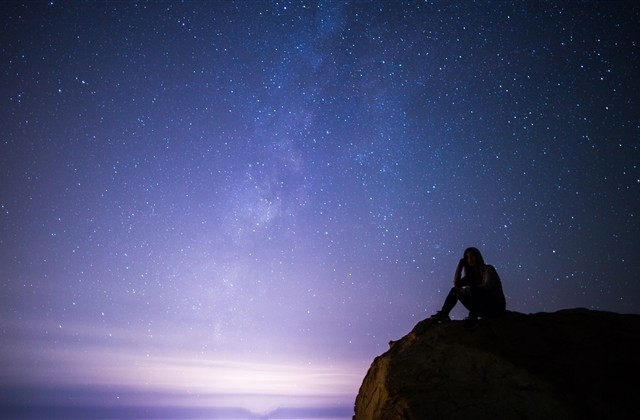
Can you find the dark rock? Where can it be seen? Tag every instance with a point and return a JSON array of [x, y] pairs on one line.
[[571, 364]]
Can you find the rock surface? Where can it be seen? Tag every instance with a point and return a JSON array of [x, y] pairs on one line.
[[570, 364]]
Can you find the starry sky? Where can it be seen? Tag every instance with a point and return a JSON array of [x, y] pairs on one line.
[[237, 204]]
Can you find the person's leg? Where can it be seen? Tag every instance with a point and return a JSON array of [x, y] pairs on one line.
[[455, 295], [470, 301], [467, 300], [452, 299], [449, 302]]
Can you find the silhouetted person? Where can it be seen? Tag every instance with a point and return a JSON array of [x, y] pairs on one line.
[[479, 290]]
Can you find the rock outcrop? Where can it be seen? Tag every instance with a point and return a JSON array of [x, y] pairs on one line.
[[571, 364]]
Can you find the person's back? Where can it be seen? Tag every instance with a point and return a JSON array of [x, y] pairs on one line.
[[495, 304]]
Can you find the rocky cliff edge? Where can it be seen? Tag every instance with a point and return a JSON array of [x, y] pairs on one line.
[[570, 364]]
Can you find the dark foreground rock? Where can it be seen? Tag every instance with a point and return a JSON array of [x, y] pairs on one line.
[[571, 364]]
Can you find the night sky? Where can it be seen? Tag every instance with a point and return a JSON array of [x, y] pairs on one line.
[[208, 205]]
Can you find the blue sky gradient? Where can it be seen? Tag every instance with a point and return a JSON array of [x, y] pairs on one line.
[[237, 204]]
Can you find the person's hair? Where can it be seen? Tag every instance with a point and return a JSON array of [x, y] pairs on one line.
[[478, 255]]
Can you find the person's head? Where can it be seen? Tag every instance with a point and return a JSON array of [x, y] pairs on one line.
[[473, 257]]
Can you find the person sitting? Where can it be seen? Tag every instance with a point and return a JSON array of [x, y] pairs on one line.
[[479, 290]]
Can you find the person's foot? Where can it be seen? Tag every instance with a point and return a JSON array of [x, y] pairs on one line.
[[471, 322], [440, 317]]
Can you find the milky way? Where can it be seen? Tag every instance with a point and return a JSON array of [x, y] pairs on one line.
[[238, 204]]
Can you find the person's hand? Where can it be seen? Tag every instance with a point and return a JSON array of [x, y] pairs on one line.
[[461, 264]]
